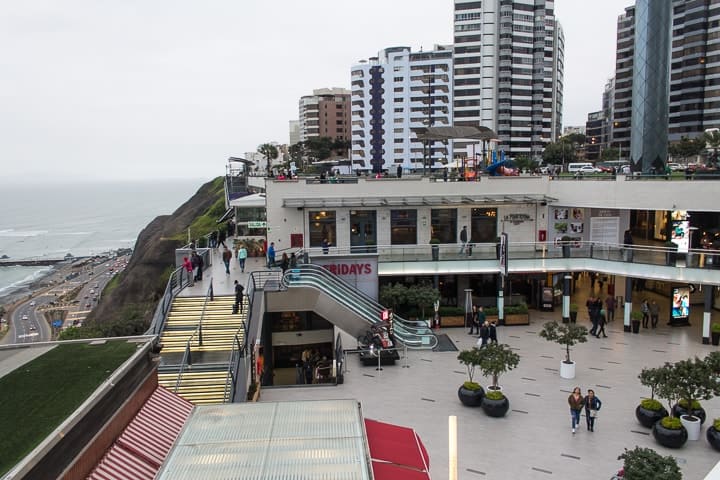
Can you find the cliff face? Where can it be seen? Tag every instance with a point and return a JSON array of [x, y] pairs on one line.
[[129, 307]]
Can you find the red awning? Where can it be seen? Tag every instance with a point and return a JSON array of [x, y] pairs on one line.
[[397, 452]]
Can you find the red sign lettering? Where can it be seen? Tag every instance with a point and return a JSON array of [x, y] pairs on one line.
[[349, 268]]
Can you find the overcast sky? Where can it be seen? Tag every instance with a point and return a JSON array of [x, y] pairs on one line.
[[171, 88]]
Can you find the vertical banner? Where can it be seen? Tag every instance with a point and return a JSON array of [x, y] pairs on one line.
[[504, 254]]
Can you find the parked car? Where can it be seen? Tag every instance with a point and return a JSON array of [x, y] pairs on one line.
[[32, 304], [676, 167], [588, 169]]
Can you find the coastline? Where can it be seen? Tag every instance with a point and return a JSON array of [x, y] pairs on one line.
[[52, 277]]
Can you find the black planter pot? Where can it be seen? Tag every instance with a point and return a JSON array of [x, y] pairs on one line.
[[471, 398], [715, 338], [566, 251], [635, 326], [435, 249], [700, 412], [495, 408], [647, 418], [573, 317], [713, 438], [669, 438]]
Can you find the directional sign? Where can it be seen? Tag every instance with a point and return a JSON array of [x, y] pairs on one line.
[[57, 323]]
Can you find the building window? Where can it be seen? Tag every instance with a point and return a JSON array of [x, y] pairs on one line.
[[443, 224], [247, 217], [403, 227], [322, 226], [483, 227]]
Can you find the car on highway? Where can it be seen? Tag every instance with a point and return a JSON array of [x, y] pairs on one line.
[[676, 167], [33, 328], [32, 304], [24, 317], [588, 169]]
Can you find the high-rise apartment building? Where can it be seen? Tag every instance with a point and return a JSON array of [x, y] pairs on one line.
[[508, 58], [595, 135], [294, 131], [325, 113], [694, 68], [622, 109], [393, 95]]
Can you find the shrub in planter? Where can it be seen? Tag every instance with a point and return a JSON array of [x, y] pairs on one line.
[[521, 309], [470, 393], [573, 312], [694, 380], [495, 404], [565, 335], [670, 433], [696, 410], [635, 318], [713, 434], [715, 333], [650, 410], [494, 360], [490, 311], [646, 463]]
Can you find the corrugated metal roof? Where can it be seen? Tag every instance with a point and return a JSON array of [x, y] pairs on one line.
[[313, 440], [142, 447]]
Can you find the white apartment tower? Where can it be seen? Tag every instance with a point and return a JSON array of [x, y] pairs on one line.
[[508, 72], [394, 95]]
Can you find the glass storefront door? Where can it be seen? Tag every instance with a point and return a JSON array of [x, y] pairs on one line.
[[363, 231]]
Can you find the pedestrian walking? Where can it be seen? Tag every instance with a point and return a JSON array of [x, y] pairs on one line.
[[645, 309], [213, 239], [285, 262], [654, 313], [484, 334], [577, 403], [271, 255], [493, 332], [463, 239], [590, 304], [601, 324], [187, 264], [610, 308], [226, 257], [474, 325], [242, 254], [293, 260], [592, 405], [238, 306], [221, 237], [325, 246]]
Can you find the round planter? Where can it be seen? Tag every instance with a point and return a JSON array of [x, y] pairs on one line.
[[679, 411], [713, 438], [669, 438], [715, 338], [495, 408], [635, 326], [470, 398], [647, 418], [692, 425], [567, 370]]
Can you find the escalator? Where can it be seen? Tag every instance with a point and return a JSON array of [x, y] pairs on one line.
[[350, 309]]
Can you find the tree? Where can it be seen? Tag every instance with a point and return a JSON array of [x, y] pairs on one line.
[[578, 138], [559, 153], [523, 162], [686, 148], [712, 138], [610, 154], [651, 378], [394, 295], [471, 359], [496, 359], [567, 334], [269, 151], [423, 295], [646, 464], [298, 153], [695, 381]]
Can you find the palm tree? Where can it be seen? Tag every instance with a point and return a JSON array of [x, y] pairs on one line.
[[712, 138], [270, 152]]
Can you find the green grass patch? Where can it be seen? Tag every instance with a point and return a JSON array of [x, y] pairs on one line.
[[41, 394]]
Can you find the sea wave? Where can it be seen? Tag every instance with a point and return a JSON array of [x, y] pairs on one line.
[[22, 233], [24, 281]]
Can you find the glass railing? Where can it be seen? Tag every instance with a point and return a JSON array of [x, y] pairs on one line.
[[640, 254], [413, 334]]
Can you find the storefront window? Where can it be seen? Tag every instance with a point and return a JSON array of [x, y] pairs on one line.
[[363, 228], [251, 222], [444, 225], [484, 225], [322, 226], [403, 227]]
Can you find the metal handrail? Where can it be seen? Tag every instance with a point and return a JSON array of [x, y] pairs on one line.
[[363, 305], [176, 279], [208, 297], [238, 351], [185, 361]]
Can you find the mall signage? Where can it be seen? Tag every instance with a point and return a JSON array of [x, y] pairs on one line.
[[359, 271]]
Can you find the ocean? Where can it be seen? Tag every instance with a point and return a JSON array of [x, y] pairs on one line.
[[52, 220]]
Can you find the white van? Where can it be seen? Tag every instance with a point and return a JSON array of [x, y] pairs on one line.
[[577, 166]]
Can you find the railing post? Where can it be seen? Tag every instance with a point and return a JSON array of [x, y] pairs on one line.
[[212, 294]]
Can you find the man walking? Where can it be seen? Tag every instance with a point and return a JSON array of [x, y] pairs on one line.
[[463, 239], [242, 254], [271, 255], [654, 313], [238, 306], [226, 257]]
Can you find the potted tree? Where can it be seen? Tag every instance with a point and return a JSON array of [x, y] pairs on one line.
[[566, 334], [635, 318], [650, 410], [713, 434], [470, 392], [695, 380], [715, 333], [496, 359], [435, 248], [647, 463], [573, 312], [669, 431]]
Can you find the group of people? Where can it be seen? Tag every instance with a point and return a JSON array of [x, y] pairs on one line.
[[194, 267], [313, 367], [650, 312], [486, 330], [598, 316], [590, 403]]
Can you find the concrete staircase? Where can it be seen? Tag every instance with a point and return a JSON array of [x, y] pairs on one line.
[[204, 376]]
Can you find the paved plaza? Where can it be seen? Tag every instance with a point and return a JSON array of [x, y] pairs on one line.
[[534, 440]]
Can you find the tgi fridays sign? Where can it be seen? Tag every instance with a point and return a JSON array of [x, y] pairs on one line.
[[360, 272]]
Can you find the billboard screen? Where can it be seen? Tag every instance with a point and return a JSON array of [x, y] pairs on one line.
[[680, 303]]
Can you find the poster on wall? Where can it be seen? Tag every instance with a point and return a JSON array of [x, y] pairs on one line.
[[680, 233], [680, 304]]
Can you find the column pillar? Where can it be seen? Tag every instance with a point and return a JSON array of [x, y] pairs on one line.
[[501, 300], [628, 304], [707, 315], [566, 298]]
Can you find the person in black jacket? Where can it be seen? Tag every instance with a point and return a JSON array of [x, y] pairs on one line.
[[484, 334], [592, 405]]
